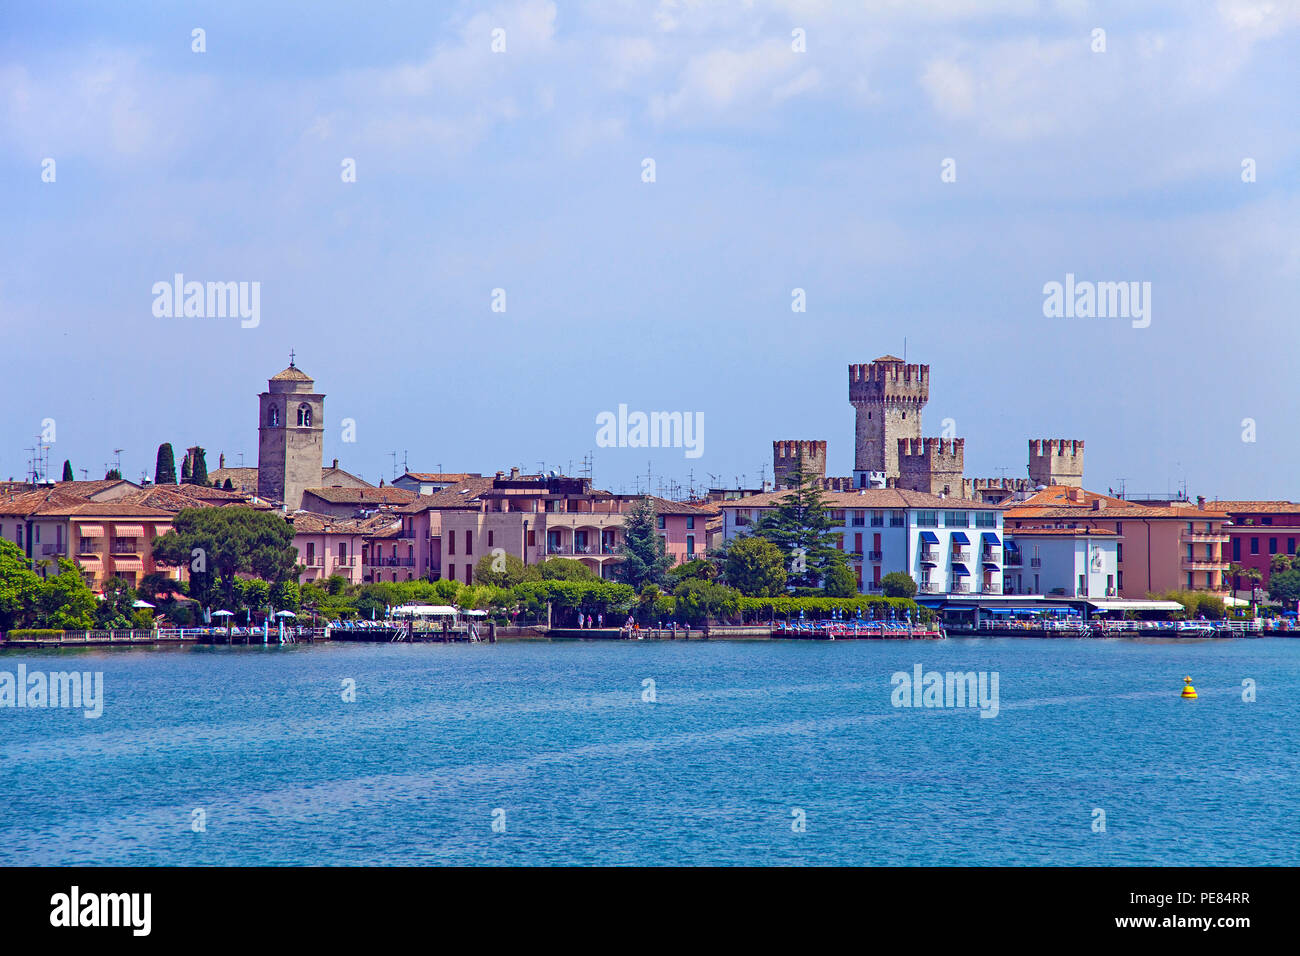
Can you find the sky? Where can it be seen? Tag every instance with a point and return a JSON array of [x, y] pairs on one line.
[[796, 145]]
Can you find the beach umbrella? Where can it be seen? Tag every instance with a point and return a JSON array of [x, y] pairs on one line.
[[223, 613], [139, 603], [285, 614]]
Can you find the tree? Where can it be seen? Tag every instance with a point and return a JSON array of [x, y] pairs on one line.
[[898, 584], [19, 586], [841, 582], [697, 601], [67, 471], [500, 571], [1284, 586], [164, 471], [227, 485], [113, 474], [800, 526], [226, 542], [755, 567], [697, 569], [186, 474], [565, 569], [117, 608], [64, 601], [645, 558], [199, 468]]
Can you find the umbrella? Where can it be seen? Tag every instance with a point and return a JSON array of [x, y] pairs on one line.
[[142, 604], [223, 613], [285, 614]]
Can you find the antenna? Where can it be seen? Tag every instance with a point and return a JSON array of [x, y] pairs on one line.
[[393, 455]]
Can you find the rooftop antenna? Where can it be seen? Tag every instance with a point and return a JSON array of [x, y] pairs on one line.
[[241, 458], [1121, 487], [904, 349], [393, 455], [542, 466], [85, 474]]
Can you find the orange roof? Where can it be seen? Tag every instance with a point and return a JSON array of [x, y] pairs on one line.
[[1063, 501], [867, 498], [1257, 507]]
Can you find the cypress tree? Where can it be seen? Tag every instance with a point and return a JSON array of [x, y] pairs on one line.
[[164, 471], [199, 474], [67, 470], [185, 470]]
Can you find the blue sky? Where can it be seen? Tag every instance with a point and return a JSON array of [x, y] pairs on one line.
[[775, 170]]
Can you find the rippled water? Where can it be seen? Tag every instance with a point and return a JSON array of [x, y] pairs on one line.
[[741, 735]]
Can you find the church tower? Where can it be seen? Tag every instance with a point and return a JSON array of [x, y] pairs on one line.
[[290, 446]]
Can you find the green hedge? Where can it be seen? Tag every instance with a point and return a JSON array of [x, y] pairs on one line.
[[27, 634], [764, 608]]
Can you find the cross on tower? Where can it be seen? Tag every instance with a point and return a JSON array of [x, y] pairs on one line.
[[291, 358]]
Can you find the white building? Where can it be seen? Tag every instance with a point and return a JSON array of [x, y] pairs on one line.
[[947, 545], [1069, 562]]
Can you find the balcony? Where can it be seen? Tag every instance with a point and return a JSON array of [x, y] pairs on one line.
[[961, 552], [991, 555], [1205, 537], [961, 587], [874, 556], [930, 555], [859, 522], [931, 587], [1013, 559], [1035, 562], [48, 549], [991, 587], [1203, 564], [391, 563]]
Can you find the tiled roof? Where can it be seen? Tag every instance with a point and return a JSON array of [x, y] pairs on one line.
[[1255, 507], [666, 506], [346, 496], [868, 498], [464, 494], [291, 374], [306, 522], [442, 476], [104, 509], [1059, 501]]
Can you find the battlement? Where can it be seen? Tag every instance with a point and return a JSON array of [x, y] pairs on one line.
[[928, 450], [787, 456], [889, 380], [1056, 461]]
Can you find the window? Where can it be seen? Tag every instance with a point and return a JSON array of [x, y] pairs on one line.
[[1272, 544], [1119, 527], [877, 519], [451, 546], [898, 519], [1254, 545], [304, 415], [532, 539], [273, 417], [927, 519], [955, 519], [451, 572], [986, 519], [690, 522], [690, 544], [490, 536], [37, 529], [1290, 545], [343, 553], [469, 543], [1236, 549], [1119, 552], [659, 522], [311, 555]]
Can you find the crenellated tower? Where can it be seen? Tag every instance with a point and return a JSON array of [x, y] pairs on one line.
[[787, 455], [1056, 461], [888, 396], [932, 465]]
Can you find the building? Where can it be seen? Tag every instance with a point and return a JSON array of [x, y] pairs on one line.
[[1177, 546], [946, 545], [1056, 462], [290, 444], [428, 483], [1066, 562], [887, 396], [329, 546], [1258, 530], [388, 553], [353, 502]]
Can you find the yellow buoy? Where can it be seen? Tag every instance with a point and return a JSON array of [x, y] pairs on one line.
[[1189, 692]]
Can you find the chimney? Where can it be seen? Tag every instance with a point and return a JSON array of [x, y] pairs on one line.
[[1099, 504], [221, 460], [336, 463], [1200, 502], [514, 471]]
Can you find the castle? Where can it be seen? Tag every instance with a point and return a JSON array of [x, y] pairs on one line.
[[888, 397]]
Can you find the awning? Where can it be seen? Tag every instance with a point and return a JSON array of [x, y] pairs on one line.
[[929, 537], [960, 570], [128, 564], [1123, 605], [90, 563], [129, 530], [992, 566], [991, 539], [91, 530], [959, 537]]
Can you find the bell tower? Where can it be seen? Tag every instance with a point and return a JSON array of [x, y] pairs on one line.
[[290, 431]]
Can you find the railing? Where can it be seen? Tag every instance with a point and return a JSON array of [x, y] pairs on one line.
[[1207, 537], [961, 551], [992, 555], [991, 588], [1203, 564], [930, 554], [930, 587], [1035, 562], [961, 587], [391, 563], [1013, 559], [859, 522], [873, 556], [52, 549]]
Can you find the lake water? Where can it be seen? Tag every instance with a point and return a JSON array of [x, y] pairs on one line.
[[556, 743]]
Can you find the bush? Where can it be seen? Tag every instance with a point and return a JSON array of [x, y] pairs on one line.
[[30, 633], [897, 584]]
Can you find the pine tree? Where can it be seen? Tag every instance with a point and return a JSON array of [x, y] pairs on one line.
[[67, 471], [800, 525], [645, 558], [164, 471]]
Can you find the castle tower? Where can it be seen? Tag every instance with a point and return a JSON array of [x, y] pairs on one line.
[[290, 449], [787, 455], [1056, 461], [932, 465], [888, 396]]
